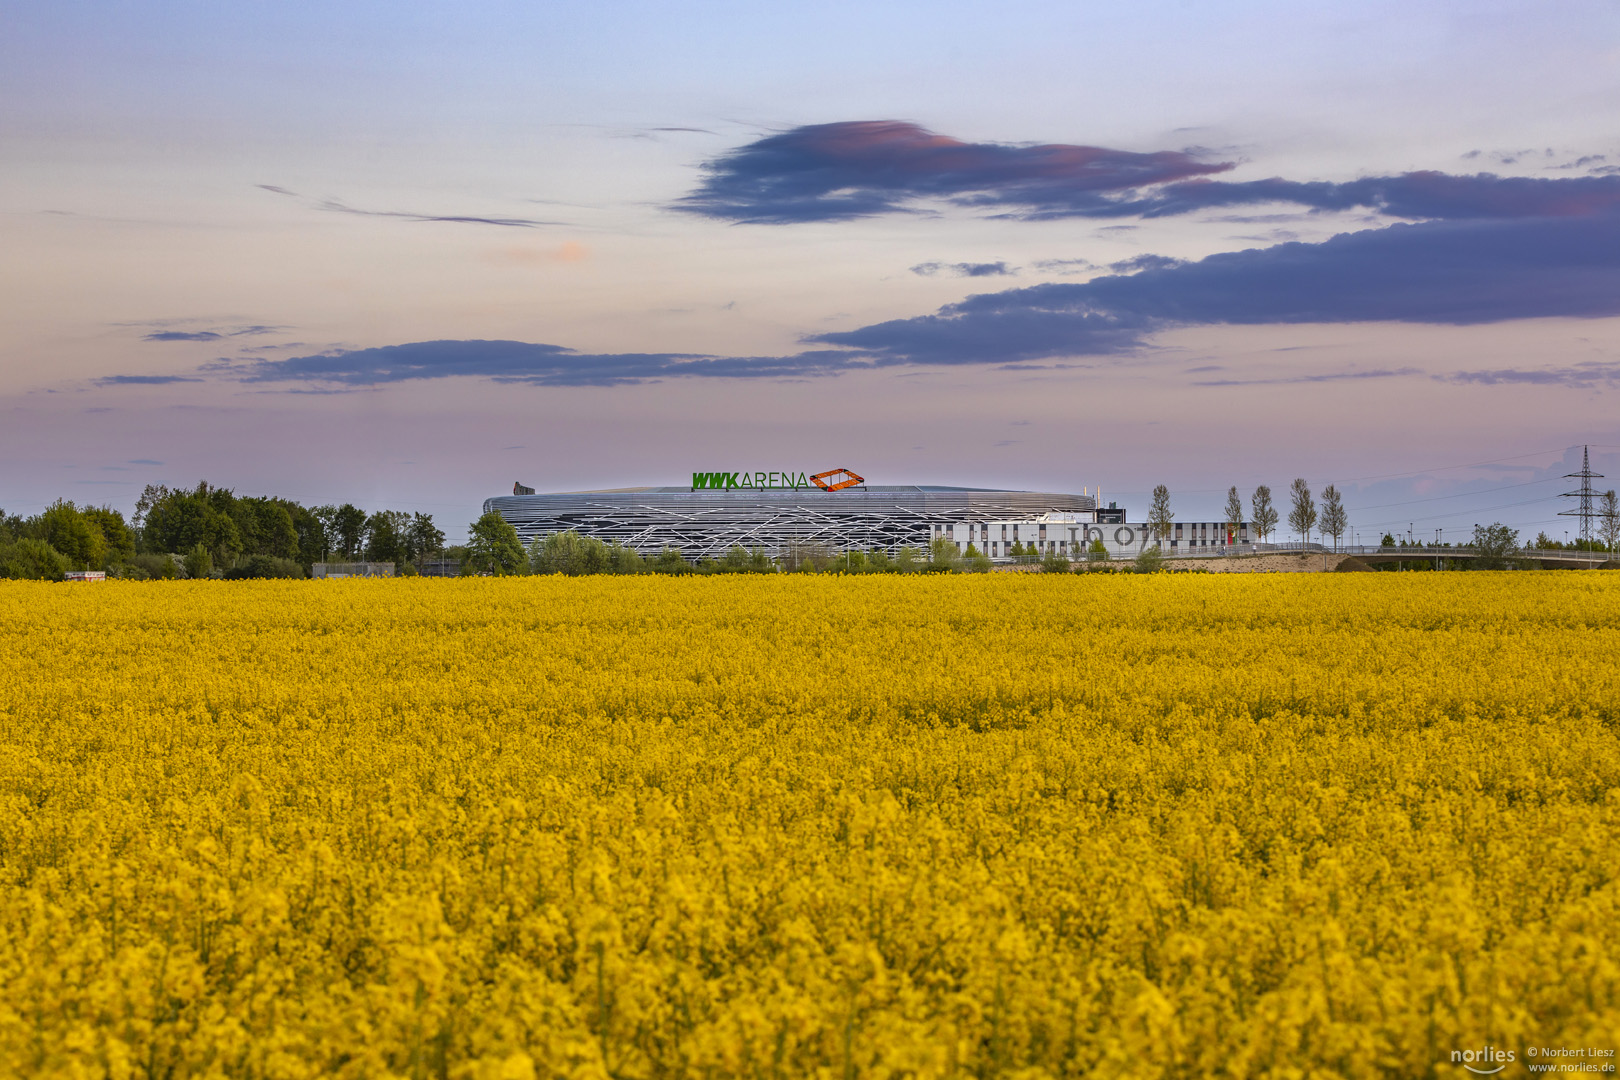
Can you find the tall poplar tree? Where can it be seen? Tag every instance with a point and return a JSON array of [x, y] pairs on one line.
[[1234, 512], [1265, 514], [1334, 518], [1302, 518], [1159, 518]]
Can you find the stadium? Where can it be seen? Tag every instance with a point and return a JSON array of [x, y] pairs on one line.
[[776, 511]]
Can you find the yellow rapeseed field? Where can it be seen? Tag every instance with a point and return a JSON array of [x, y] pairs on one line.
[[998, 825]]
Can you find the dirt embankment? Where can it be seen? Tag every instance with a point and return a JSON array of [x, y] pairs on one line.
[[1291, 563]]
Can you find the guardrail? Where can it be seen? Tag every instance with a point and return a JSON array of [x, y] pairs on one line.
[[1398, 551]]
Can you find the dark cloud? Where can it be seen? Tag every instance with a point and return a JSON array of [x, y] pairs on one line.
[[835, 172], [1579, 375], [1066, 266], [1336, 376], [995, 269], [144, 380], [1459, 272], [525, 362], [1446, 272], [337, 207], [1026, 332], [210, 335], [182, 335], [1416, 195], [1137, 263]]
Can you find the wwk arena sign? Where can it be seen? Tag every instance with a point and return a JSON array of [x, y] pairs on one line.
[[831, 480]]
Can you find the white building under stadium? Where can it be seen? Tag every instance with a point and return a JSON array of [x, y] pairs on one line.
[[705, 522]]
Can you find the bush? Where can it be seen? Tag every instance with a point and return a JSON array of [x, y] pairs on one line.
[[265, 566], [944, 554], [32, 560], [1150, 561], [670, 561], [156, 566], [493, 548], [199, 564], [1055, 563], [1497, 545], [573, 554], [741, 560]]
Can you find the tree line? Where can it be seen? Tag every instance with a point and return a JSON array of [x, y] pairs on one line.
[[1304, 515], [494, 548], [210, 531]]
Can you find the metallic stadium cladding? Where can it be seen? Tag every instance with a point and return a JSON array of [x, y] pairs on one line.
[[707, 524]]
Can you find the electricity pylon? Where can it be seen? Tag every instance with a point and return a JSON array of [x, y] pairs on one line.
[[1583, 509]]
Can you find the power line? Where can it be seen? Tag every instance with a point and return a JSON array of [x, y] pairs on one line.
[[1470, 512], [1458, 495], [1448, 468]]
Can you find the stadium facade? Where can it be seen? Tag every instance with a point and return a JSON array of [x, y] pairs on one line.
[[784, 510]]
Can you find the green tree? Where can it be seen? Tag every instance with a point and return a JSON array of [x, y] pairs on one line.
[[569, 553], [1055, 562], [1609, 521], [1264, 514], [1097, 552], [1234, 512], [119, 540], [388, 536], [1496, 544], [909, 560], [181, 520], [31, 559], [944, 555], [265, 527], [975, 561], [1302, 517], [1334, 518], [265, 566], [670, 561], [1150, 560], [741, 560], [199, 563], [311, 530], [1160, 520], [69, 532], [328, 540], [493, 547], [152, 495], [426, 541], [349, 530]]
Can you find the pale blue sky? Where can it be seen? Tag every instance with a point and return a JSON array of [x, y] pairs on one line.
[[194, 189]]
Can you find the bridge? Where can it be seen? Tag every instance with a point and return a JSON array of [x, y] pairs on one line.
[[1371, 555]]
